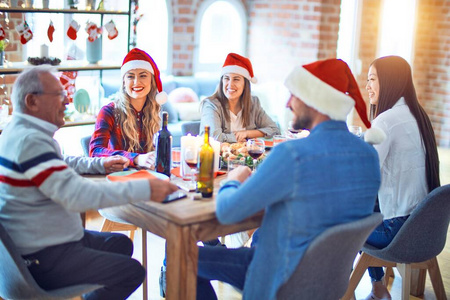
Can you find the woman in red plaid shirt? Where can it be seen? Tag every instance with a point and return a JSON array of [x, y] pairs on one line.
[[127, 125]]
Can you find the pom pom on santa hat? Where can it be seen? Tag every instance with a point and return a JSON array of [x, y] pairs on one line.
[[330, 88], [139, 59], [235, 63]]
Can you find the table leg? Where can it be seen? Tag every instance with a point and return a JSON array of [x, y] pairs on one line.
[[182, 258]]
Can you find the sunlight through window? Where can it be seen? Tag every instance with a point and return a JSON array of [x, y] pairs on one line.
[[397, 28], [222, 30], [152, 31]]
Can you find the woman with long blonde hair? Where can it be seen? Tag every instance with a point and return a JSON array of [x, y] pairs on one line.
[[127, 125]]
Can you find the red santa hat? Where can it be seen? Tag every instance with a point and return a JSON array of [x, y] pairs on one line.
[[138, 59], [329, 87], [234, 63]]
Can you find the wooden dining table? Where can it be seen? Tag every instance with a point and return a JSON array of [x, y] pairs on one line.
[[182, 223]]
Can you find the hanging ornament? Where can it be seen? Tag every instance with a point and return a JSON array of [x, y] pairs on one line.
[[93, 31], [24, 32], [73, 29], [50, 31], [2, 33], [112, 30]]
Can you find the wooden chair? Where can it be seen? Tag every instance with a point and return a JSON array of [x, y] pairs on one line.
[[415, 246], [16, 281], [324, 269], [110, 223]]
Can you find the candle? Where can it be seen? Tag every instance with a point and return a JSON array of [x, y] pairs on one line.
[[216, 146], [44, 50]]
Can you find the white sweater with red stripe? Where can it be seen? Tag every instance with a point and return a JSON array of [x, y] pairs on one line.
[[42, 193]]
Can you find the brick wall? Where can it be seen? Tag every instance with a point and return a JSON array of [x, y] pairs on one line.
[[431, 66], [284, 33]]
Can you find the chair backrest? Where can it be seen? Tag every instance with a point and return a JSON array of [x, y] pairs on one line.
[[423, 235], [16, 281], [324, 270], [85, 145], [190, 127]]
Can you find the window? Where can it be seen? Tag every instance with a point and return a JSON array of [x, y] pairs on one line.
[[153, 31], [397, 28], [221, 28], [349, 28]]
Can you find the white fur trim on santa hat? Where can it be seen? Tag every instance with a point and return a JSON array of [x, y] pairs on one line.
[[318, 94], [161, 98], [374, 136], [136, 64], [239, 70]]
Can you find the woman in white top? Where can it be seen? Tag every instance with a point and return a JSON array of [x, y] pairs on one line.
[[408, 157], [233, 114]]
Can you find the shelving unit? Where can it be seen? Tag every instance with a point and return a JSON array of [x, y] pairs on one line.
[[74, 65]]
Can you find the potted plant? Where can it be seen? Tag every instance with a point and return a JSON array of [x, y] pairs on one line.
[[3, 44]]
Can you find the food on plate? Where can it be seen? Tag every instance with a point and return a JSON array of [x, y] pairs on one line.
[[236, 151]]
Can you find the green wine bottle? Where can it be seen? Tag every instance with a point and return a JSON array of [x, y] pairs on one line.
[[205, 180]]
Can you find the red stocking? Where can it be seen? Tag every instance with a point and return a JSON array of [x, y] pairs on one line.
[[24, 32], [50, 31], [2, 33], [73, 29], [112, 30]]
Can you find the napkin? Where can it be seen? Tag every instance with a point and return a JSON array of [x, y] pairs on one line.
[[142, 174], [268, 143], [176, 172]]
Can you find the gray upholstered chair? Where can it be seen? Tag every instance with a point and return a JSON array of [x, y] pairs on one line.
[[16, 281], [324, 270], [416, 245], [190, 127]]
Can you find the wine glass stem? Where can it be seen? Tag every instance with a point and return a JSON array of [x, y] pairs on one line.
[[254, 165]]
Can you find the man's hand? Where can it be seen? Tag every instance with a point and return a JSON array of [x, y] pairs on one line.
[[160, 189], [241, 136], [115, 163], [146, 160], [240, 174]]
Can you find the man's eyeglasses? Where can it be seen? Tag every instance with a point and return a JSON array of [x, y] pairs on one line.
[[62, 95]]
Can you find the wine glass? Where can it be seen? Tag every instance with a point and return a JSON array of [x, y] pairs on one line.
[[255, 148], [292, 133], [191, 159], [356, 130]]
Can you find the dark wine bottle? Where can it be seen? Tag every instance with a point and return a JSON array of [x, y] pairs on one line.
[[164, 147], [205, 180]]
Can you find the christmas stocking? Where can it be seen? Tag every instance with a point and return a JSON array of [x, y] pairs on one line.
[[50, 31], [112, 30], [24, 32], [93, 31], [2, 33], [73, 29]]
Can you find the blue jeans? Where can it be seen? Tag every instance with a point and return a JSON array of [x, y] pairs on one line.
[[98, 258], [381, 237], [220, 263]]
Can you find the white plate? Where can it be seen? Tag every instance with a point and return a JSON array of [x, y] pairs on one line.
[[124, 173]]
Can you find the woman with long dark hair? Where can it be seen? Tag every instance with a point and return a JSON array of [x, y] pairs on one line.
[[233, 114], [408, 157], [127, 125]]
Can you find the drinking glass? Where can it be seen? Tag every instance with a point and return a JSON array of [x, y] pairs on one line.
[[356, 130], [255, 149], [191, 159]]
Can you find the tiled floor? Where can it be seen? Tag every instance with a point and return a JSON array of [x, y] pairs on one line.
[[225, 292]]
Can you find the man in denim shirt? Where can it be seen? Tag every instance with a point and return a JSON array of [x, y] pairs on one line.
[[304, 186]]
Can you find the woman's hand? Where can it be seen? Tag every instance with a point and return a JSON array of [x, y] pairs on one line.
[[241, 136], [146, 160]]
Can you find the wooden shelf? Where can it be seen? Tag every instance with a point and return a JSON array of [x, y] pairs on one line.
[[63, 11], [70, 65]]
